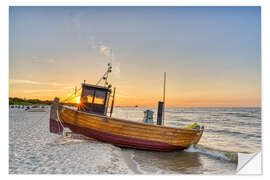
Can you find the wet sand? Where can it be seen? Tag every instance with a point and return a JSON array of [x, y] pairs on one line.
[[177, 162], [130, 163]]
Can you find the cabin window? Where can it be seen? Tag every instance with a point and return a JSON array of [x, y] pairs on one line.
[[99, 97], [88, 95], [93, 100]]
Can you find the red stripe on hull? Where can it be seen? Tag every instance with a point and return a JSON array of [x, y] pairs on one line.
[[123, 140], [55, 126]]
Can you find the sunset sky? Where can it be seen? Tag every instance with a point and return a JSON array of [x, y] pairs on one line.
[[212, 55]]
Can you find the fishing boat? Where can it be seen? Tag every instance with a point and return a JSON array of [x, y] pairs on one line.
[[92, 119]]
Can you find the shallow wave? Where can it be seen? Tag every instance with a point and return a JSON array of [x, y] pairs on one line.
[[149, 169], [217, 154], [243, 114], [230, 132], [183, 120]]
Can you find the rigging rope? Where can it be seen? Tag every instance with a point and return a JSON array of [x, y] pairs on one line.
[[43, 115], [72, 95]]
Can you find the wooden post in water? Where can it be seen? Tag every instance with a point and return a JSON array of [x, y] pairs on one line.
[[164, 87], [160, 112], [161, 105]]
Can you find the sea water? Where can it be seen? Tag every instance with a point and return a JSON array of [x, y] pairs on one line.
[[227, 132], [33, 150]]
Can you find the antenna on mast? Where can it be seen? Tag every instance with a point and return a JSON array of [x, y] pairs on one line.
[[105, 76], [111, 55]]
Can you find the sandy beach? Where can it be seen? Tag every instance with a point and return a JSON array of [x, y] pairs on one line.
[[33, 150]]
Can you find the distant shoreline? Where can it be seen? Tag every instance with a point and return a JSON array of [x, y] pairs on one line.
[[182, 107], [21, 101]]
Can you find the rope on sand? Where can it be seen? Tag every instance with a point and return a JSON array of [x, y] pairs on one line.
[[58, 119]]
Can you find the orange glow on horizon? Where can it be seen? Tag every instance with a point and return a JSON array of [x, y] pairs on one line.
[[132, 94], [144, 100]]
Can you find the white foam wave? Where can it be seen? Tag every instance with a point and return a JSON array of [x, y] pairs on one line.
[[223, 155]]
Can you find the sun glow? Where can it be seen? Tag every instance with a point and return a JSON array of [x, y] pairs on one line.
[[78, 99]]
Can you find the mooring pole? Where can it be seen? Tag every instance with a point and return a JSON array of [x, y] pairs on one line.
[[112, 102], [160, 112], [164, 88], [161, 105]]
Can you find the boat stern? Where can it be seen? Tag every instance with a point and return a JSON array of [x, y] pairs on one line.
[[200, 133], [55, 124]]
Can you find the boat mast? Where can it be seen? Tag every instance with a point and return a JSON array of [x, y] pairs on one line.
[[105, 76]]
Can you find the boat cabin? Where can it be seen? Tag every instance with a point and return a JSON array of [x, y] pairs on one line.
[[94, 99]]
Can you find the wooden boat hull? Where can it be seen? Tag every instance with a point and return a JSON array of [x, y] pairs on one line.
[[122, 132], [122, 140]]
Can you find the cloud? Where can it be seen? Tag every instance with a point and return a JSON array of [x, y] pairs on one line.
[[105, 50], [40, 90], [36, 59], [108, 53], [19, 81]]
